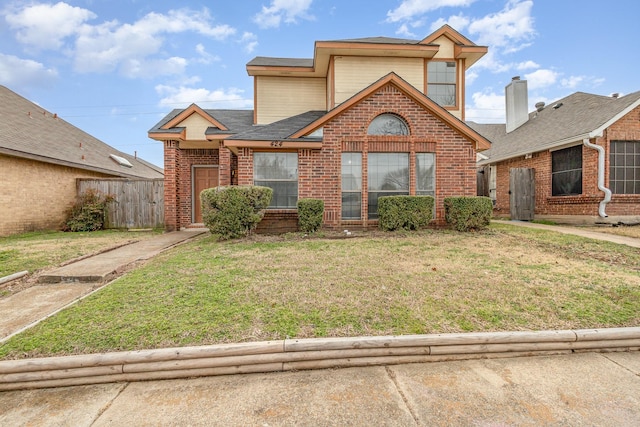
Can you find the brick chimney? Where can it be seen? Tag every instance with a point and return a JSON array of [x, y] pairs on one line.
[[517, 101]]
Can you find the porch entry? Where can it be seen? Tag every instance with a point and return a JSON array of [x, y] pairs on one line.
[[522, 194], [203, 177]]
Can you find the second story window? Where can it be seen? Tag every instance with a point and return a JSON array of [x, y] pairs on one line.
[[441, 82]]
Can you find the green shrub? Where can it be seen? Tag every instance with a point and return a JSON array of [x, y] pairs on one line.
[[404, 212], [88, 212], [234, 211], [468, 213], [310, 212]]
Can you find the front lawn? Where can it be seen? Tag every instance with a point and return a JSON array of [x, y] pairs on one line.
[[432, 281], [37, 250]]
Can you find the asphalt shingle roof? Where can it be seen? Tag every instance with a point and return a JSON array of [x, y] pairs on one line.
[[234, 120], [281, 129], [29, 131], [559, 122], [265, 61]]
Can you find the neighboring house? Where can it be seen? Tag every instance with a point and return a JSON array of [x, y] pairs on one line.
[[576, 160], [41, 156], [363, 118]]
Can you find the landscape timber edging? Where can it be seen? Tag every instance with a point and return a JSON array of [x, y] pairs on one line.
[[304, 354]]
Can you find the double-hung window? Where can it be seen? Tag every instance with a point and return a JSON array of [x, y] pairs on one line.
[[388, 175], [624, 167], [278, 171], [441, 82], [566, 171]]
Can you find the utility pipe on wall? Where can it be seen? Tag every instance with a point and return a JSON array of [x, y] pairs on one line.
[[601, 187]]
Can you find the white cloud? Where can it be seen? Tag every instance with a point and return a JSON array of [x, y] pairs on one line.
[[541, 78], [404, 31], [572, 81], [250, 41], [45, 26], [459, 22], [182, 96], [127, 47], [409, 9], [488, 107], [288, 11], [527, 65], [508, 29], [133, 68], [204, 56], [16, 72], [133, 49]]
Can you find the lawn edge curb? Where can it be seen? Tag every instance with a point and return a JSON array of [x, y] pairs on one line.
[[305, 354]]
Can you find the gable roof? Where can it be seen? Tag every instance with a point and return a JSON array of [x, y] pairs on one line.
[[369, 46], [223, 122], [570, 119], [29, 131], [392, 78]]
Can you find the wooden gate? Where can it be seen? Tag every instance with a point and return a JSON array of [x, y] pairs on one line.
[[139, 203], [522, 194]]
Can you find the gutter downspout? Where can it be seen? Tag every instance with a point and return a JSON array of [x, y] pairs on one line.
[[601, 187]]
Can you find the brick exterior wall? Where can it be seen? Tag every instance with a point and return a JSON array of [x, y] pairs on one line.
[[178, 184], [627, 128], [319, 171], [35, 195]]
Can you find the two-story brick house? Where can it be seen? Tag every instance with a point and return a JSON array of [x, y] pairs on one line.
[[362, 119]]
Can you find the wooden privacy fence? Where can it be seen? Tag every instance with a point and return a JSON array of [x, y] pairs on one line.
[[138, 203]]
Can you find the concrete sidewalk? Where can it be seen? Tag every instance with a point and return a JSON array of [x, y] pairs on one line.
[[589, 232], [596, 389], [65, 285]]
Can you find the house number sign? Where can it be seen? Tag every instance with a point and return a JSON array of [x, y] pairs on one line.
[[276, 144]]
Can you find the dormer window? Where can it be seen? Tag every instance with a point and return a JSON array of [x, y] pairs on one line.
[[388, 124], [441, 82]]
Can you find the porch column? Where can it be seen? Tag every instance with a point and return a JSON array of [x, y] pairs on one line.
[[224, 169], [171, 193]]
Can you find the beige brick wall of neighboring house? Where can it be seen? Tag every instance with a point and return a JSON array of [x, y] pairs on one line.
[[35, 195]]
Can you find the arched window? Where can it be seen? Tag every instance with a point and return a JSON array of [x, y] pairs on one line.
[[388, 124]]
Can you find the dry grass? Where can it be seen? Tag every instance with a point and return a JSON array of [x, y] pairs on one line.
[[35, 252], [264, 288], [621, 230]]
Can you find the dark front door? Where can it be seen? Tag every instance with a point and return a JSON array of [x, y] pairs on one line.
[[203, 178], [522, 193]]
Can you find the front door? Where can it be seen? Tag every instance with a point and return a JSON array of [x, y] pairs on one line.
[[203, 177], [522, 193]]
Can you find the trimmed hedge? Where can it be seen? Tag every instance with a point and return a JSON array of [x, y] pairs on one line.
[[404, 212], [310, 212], [234, 211], [468, 213]]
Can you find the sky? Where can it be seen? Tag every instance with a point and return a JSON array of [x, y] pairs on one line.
[[114, 68]]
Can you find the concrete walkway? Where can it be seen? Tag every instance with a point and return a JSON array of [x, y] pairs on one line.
[[65, 285], [589, 232], [590, 389]]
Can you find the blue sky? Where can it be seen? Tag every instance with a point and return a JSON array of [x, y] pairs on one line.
[[115, 67]]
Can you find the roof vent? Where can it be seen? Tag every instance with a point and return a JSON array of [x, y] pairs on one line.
[[539, 106], [615, 95], [558, 105], [121, 161]]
